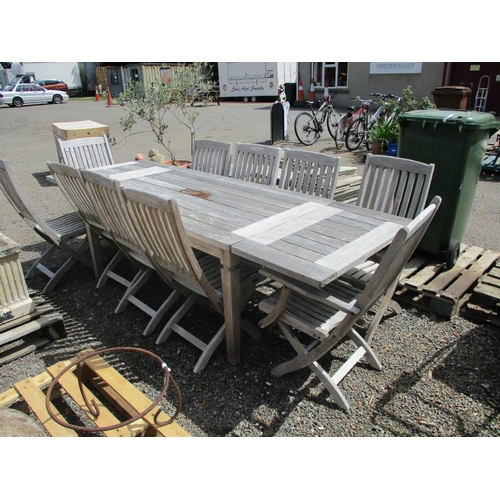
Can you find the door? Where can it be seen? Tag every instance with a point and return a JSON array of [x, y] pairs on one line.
[[469, 74], [39, 94]]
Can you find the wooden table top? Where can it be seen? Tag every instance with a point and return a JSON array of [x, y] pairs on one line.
[[305, 237]]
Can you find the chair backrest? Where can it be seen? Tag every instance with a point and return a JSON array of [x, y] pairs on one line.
[[309, 172], [256, 163], [71, 182], [396, 256], [109, 205], [395, 185], [13, 192], [389, 269], [160, 227], [88, 152], [212, 156]]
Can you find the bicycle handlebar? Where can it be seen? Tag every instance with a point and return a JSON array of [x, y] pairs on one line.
[[363, 101], [390, 96]]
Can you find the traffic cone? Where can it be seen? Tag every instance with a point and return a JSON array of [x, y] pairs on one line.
[[110, 100], [300, 95], [97, 96], [312, 95]]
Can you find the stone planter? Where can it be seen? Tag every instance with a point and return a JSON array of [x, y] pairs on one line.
[[15, 301]]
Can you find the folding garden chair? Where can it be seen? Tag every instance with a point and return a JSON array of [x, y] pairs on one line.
[[329, 316], [161, 230], [58, 232], [88, 152], [256, 163], [212, 156], [310, 173], [398, 186], [107, 201]]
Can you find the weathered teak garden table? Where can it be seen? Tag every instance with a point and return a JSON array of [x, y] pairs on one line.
[[305, 237]]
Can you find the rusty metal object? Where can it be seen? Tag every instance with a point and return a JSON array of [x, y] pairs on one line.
[[92, 407]]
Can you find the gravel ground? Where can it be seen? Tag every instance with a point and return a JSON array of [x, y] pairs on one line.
[[439, 378]]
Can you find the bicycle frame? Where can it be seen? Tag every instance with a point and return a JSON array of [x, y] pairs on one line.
[[309, 124]]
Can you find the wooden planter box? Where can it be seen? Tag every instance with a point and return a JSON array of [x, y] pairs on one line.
[[14, 297]]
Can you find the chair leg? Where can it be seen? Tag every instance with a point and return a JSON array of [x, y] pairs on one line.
[[38, 263], [177, 316], [316, 368], [386, 300], [59, 274], [107, 273], [96, 252], [136, 284], [210, 349], [78, 253], [161, 312]]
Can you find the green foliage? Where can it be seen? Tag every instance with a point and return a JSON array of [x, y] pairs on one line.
[[389, 131], [161, 102], [384, 131]]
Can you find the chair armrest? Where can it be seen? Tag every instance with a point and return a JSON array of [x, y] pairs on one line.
[[285, 295]]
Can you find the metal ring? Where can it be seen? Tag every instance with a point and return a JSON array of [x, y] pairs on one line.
[[95, 410]]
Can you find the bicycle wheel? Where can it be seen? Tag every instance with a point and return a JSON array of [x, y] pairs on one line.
[[307, 128], [332, 123], [355, 134], [343, 125]]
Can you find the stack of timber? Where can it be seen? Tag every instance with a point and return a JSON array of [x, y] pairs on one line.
[[426, 283], [103, 384], [25, 334], [484, 305], [348, 185]]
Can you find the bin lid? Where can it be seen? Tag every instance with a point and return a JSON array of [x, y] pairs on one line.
[[452, 90], [458, 117]]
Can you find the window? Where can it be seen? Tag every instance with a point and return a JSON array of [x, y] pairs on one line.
[[330, 74]]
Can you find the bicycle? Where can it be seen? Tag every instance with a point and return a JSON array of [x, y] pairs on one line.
[[364, 120], [309, 126]]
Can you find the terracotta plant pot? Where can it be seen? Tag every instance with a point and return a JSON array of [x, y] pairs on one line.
[[376, 148], [179, 163]]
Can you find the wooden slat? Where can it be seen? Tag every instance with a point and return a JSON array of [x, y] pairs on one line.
[[424, 275], [447, 277], [135, 398], [412, 266], [35, 398], [460, 286], [69, 383]]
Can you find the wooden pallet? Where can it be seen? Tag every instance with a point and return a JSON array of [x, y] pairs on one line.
[[31, 331], [484, 304], [111, 391], [426, 283]]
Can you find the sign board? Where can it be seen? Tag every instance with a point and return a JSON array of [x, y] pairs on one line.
[[395, 68], [254, 79]]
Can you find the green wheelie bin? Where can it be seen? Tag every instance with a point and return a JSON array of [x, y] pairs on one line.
[[455, 141]]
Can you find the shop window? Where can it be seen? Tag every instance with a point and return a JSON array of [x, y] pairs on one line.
[[330, 74]]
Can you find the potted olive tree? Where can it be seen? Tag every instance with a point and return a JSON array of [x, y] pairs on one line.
[[163, 102]]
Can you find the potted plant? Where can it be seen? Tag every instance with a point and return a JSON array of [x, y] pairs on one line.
[[381, 134], [390, 129], [163, 101]]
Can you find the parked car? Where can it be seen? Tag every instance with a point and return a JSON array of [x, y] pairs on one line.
[[30, 93], [53, 85]]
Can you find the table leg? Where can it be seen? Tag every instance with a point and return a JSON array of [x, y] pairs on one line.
[[95, 251], [231, 295]]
